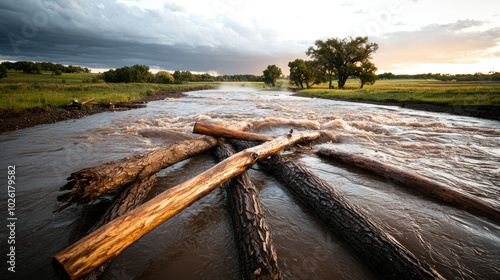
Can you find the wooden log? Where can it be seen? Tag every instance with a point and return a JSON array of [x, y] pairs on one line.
[[87, 101], [256, 247], [379, 249], [128, 199], [129, 105], [218, 131], [91, 183], [417, 182], [109, 240]]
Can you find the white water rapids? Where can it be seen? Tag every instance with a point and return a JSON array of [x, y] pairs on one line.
[[198, 243]]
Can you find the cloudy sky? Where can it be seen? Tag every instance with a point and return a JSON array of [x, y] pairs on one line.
[[240, 37]]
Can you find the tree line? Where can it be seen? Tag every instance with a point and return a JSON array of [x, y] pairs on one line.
[[29, 67], [332, 58], [141, 74], [477, 77]]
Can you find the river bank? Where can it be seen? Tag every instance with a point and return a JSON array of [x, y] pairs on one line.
[[14, 119], [478, 111]]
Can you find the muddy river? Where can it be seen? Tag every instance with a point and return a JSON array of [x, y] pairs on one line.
[[198, 243]]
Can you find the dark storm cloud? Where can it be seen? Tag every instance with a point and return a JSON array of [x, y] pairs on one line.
[[109, 35]]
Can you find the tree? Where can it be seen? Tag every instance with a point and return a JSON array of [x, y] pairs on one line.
[[271, 74], [164, 77], [341, 56], [298, 72], [3, 71], [366, 73], [308, 72]]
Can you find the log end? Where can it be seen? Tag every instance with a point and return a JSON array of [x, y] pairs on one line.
[[60, 270]]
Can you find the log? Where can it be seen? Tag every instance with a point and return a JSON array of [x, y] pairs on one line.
[[417, 182], [257, 252], [129, 198], [91, 183], [87, 101], [218, 131], [129, 105], [109, 240], [379, 249]]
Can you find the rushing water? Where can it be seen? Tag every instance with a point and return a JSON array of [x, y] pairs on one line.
[[198, 243]]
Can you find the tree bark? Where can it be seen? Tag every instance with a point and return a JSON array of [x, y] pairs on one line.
[[109, 240], [219, 131], [255, 244], [417, 182], [126, 200], [91, 183], [379, 249]]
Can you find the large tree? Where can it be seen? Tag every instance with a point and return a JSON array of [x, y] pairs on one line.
[[271, 74], [341, 56], [366, 73]]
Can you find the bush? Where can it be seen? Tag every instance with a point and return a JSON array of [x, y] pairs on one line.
[[57, 72], [164, 77]]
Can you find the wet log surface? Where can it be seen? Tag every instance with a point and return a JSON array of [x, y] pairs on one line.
[[109, 240], [255, 244], [128, 199], [379, 249], [417, 182], [218, 131]]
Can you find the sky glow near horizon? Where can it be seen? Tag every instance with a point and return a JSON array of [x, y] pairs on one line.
[[240, 37]]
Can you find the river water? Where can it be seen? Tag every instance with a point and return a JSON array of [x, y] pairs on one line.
[[198, 243]]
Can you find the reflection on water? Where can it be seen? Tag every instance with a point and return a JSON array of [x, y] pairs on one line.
[[198, 243]]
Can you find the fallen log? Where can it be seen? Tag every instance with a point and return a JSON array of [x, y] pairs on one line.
[[109, 240], [255, 243], [129, 198], [417, 182], [87, 101], [129, 105], [379, 249], [219, 131], [91, 183]]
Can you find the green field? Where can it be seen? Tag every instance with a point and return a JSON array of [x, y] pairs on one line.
[[419, 91], [20, 91]]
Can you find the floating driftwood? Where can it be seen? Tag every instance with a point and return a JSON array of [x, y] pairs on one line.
[[109, 240], [255, 243], [417, 182], [219, 131], [380, 250]]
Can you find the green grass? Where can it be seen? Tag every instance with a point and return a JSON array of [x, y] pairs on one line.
[[420, 91], [21, 91]]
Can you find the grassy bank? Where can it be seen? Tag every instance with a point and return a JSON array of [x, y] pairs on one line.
[[21, 91], [417, 91]]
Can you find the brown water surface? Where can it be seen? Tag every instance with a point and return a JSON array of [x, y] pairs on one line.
[[198, 243]]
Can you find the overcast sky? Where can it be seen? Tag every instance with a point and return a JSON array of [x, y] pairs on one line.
[[240, 37]]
